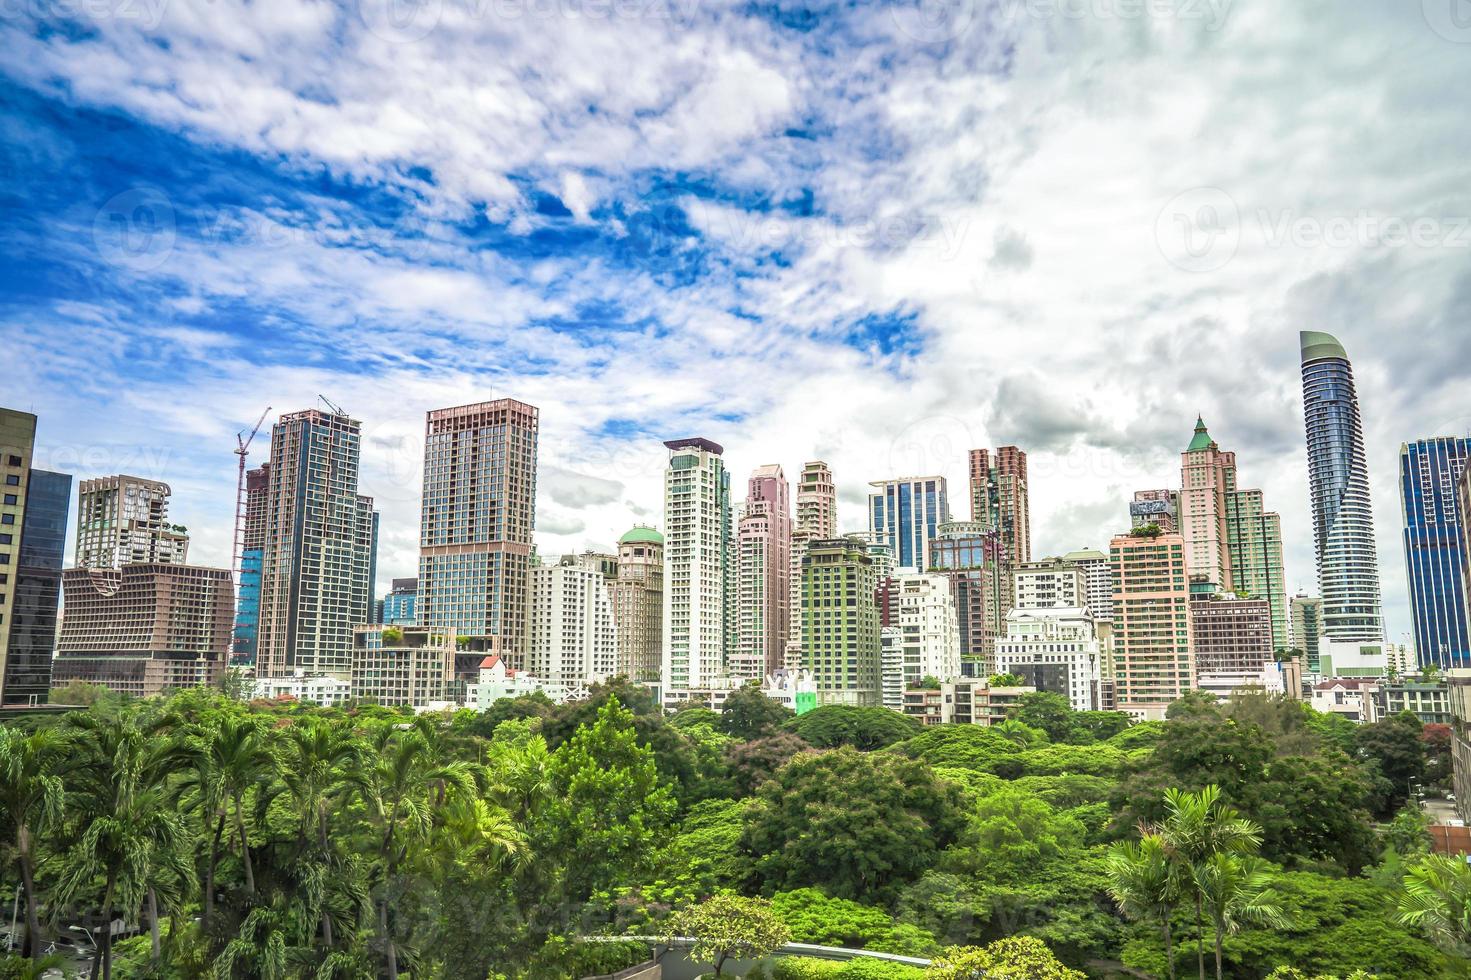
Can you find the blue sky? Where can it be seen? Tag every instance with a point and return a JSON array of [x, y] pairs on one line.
[[879, 234]]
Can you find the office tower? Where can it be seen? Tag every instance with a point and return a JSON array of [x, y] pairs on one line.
[[125, 519], [905, 515], [1098, 576], [1254, 543], [1307, 629], [1338, 478], [1053, 648], [817, 501], [475, 528], [1233, 644], [1430, 472], [1152, 658], [638, 604], [1158, 507], [968, 553], [764, 562], [252, 560], [929, 629], [840, 622], [998, 497], [572, 639], [317, 564], [1048, 583], [34, 505], [699, 568], [1207, 478], [403, 666], [144, 629], [401, 604]]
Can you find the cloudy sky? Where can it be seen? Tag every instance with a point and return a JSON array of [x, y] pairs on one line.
[[875, 234]]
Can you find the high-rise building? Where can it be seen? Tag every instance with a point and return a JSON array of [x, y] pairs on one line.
[[1207, 479], [905, 514], [817, 501], [1254, 539], [144, 629], [1043, 643], [840, 622], [252, 561], [638, 604], [572, 639], [1233, 643], [929, 630], [1338, 478], [475, 528], [699, 568], [1098, 574], [1153, 660], [125, 519], [1306, 612], [318, 560], [764, 562], [403, 666], [998, 497], [968, 553], [34, 505], [1158, 507], [400, 605], [1048, 583], [1430, 473]]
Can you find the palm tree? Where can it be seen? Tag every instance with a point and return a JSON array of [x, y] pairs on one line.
[[316, 759], [1437, 895], [1197, 827], [31, 800], [1237, 891], [1145, 884]]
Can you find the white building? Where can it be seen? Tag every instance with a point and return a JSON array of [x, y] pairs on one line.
[[572, 640], [1059, 646], [326, 691], [929, 628], [1049, 583], [891, 667], [498, 681], [699, 569]]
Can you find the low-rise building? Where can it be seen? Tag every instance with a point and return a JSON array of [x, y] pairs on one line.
[[330, 692], [1350, 698], [401, 666], [1429, 701], [1458, 687], [497, 681]]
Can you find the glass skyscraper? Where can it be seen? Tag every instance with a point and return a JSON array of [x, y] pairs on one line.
[[1435, 541], [1338, 479], [905, 514]]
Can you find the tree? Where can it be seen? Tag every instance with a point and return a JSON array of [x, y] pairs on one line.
[[753, 763], [1436, 896], [864, 728], [32, 798], [1393, 746], [813, 917], [1146, 885], [1014, 958], [1010, 834], [748, 714], [729, 926], [1050, 712], [1237, 891], [1408, 834], [856, 824], [1006, 680]]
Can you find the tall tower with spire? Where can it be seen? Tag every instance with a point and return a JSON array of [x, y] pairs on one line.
[[1207, 480], [1338, 480]]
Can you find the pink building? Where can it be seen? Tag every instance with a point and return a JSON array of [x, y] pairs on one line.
[[764, 548]]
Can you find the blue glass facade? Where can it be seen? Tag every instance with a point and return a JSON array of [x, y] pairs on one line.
[[905, 515], [400, 606], [1435, 540], [247, 611], [37, 588]]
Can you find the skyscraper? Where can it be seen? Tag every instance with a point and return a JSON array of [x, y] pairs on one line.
[[929, 632], [318, 563], [401, 604], [1306, 612], [998, 497], [252, 559], [1207, 478], [817, 500], [1233, 643], [33, 514], [1338, 479], [638, 604], [475, 528], [1153, 656], [905, 514], [1098, 572], [968, 553], [572, 639], [840, 622], [125, 519], [1430, 472], [1254, 543], [764, 543], [699, 568]]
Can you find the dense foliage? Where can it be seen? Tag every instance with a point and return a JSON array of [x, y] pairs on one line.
[[292, 841]]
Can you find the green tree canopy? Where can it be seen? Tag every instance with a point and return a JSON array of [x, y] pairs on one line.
[[863, 728]]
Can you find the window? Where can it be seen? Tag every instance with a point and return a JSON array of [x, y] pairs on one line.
[[11, 498], [7, 518], [11, 480], [14, 460]]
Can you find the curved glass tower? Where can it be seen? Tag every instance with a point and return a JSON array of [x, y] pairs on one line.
[[1338, 478]]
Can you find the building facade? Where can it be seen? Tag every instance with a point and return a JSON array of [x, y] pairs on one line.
[[638, 604], [145, 629], [1160, 508], [929, 629], [1000, 499], [1338, 480], [699, 568], [1207, 478], [1048, 583], [1153, 657], [252, 564], [400, 605], [1306, 613], [572, 639], [34, 506], [1098, 576], [817, 501], [1430, 472], [476, 526], [840, 622], [1054, 648], [1233, 643], [1254, 541], [123, 520], [968, 554], [764, 562], [403, 666], [906, 514]]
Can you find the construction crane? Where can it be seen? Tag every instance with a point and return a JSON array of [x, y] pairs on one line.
[[336, 409], [242, 449]]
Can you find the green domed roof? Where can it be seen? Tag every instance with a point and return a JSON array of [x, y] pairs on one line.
[[645, 535], [1202, 438]]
